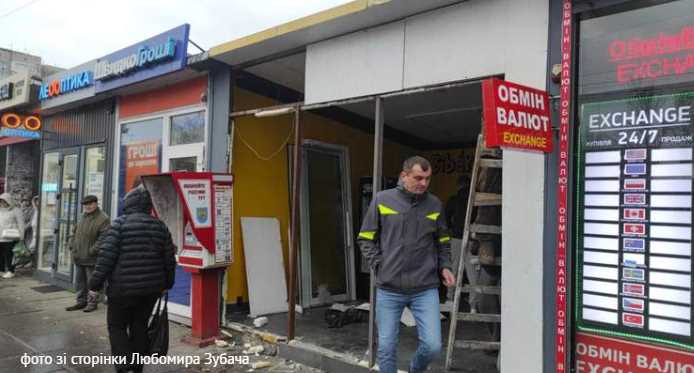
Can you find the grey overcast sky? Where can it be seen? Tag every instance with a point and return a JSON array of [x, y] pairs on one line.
[[66, 33]]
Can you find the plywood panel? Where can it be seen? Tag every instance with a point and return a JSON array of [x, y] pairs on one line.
[[267, 287]]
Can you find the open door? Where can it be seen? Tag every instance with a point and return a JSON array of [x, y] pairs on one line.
[[327, 255]]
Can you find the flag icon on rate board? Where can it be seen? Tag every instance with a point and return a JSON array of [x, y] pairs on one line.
[[633, 305], [634, 184], [634, 214], [633, 274], [635, 154], [635, 199], [634, 244], [630, 319], [637, 290], [635, 228], [635, 169]]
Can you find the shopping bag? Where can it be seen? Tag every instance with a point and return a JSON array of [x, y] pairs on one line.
[[21, 255], [158, 329]]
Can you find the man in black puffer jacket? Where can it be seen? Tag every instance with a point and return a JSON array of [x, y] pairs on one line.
[[137, 258]]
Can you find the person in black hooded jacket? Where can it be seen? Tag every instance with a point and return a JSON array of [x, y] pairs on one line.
[[136, 258]]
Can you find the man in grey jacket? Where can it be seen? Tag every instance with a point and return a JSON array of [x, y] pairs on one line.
[[405, 238]]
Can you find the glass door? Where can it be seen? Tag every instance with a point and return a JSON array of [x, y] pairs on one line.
[[69, 210], [327, 258], [50, 180], [182, 158]]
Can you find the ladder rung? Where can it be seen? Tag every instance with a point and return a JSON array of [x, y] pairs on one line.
[[490, 152], [491, 163], [481, 289], [487, 199], [482, 228], [476, 260], [479, 317], [478, 345]]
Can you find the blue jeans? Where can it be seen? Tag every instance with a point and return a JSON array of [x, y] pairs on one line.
[[425, 308]]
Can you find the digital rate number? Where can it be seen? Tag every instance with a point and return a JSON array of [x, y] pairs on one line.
[[638, 137]]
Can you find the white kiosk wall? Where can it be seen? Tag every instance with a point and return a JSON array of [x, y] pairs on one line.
[[470, 40]]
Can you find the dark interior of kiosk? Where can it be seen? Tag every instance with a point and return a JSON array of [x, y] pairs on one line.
[[442, 125]]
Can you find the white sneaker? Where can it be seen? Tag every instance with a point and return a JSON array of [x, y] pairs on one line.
[[8, 275], [2, 274]]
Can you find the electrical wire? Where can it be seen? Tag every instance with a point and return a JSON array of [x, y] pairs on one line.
[[255, 152], [17, 9]]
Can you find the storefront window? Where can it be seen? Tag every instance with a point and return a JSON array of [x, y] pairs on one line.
[[183, 164], [95, 164], [188, 128], [140, 152]]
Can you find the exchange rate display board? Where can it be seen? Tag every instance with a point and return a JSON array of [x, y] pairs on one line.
[[634, 219]]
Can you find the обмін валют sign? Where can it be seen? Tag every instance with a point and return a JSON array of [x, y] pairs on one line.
[[516, 116]]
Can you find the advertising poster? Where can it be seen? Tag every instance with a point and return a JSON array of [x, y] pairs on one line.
[[140, 159]]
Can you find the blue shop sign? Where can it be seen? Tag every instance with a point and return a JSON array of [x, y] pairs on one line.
[[159, 55], [19, 132]]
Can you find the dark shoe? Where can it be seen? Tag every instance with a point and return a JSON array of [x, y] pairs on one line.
[[90, 307], [76, 307]]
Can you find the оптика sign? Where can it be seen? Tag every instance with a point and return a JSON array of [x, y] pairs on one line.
[[66, 85], [156, 56]]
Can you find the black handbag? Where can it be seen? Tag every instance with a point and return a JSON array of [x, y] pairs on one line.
[[158, 329]]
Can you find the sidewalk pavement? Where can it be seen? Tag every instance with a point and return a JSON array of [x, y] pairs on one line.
[[34, 324]]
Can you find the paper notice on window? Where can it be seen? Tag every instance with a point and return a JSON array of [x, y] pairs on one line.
[[223, 223]]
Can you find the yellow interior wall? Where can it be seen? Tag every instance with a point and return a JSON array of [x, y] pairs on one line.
[[261, 187]]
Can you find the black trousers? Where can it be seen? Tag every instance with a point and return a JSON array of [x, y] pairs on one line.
[[127, 327], [6, 255]]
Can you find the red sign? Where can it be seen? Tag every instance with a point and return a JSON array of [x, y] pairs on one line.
[[658, 56], [602, 354], [516, 116], [562, 185]]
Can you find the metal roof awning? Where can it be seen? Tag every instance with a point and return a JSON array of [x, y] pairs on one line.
[[294, 36]]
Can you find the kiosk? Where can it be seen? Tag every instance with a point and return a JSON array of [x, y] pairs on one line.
[[196, 207]]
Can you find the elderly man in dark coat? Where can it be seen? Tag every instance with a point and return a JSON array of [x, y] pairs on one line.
[[84, 246]]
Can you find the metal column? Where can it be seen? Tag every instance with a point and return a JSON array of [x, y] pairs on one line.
[[377, 181], [296, 205]]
